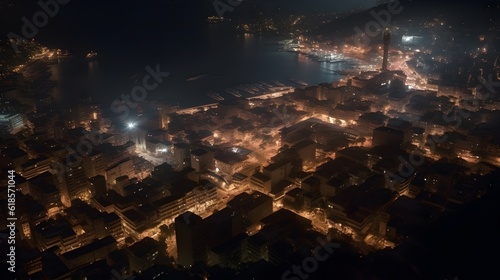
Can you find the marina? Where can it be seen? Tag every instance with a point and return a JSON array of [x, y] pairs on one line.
[[214, 95], [256, 90]]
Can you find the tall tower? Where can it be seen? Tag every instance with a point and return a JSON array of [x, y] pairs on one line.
[[190, 236], [387, 41], [73, 184]]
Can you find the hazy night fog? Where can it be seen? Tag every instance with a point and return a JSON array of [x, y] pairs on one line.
[[255, 139]]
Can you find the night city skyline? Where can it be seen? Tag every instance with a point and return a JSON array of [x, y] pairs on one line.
[[249, 139]]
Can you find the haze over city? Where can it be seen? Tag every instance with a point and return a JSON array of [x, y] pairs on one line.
[[221, 139]]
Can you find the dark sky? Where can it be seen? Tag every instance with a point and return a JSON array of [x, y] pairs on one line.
[[11, 11], [107, 17], [308, 5]]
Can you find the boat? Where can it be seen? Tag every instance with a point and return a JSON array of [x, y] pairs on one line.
[[91, 55], [246, 89], [260, 86], [267, 84], [249, 91], [62, 54], [214, 95], [233, 92], [219, 97], [195, 78], [215, 19], [278, 83], [298, 82], [253, 88]]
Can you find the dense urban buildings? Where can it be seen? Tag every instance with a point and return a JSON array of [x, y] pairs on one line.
[[388, 169]]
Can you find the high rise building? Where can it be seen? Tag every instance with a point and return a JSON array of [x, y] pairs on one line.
[[94, 164], [277, 171], [73, 184], [202, 160], [144, 254], [253, 207], [222, 225], [191, 239], [387, 136], [11, 122], [44, 189], [89, 114], [387, 41], [182, 155], [97, 185], [123, 168], [34, 167]]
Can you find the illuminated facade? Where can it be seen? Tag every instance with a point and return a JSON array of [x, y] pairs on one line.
[[12, 122]]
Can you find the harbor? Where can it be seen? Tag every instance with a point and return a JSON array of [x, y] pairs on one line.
[[260, 89]]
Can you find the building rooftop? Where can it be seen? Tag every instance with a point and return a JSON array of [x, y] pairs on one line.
[[134, 215], [261, 176], [280, 186], [220, 216], [142, 248], [46, 187], [94, 246], [389, 130], [199, 152], [340, 180], [312, 181], [246, 202], [295, 192], [229, 157], [239, 177], [103, 200], [276, 165], [34, 162], [286, 217], [231, 244], [301, 175], [118, 163], [303, 144], [166, 200], [181, 145], [342, 165], [50, 229], [374, 117], [399, 124], [13, 153], [53, 267], [359, 154], [188, 218], [111, 217]]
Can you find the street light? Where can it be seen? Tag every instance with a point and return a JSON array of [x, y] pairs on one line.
[[131, 125]]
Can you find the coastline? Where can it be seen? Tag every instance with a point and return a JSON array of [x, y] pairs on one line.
[[186, 94]]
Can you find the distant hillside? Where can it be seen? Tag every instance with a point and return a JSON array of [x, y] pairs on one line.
[[474, 14]]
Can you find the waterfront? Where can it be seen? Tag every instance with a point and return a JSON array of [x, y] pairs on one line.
[[225, 61]]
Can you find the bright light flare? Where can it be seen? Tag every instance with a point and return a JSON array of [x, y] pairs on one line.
[[131, 125]]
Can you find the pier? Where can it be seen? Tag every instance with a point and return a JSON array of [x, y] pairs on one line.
[[196, 109]]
